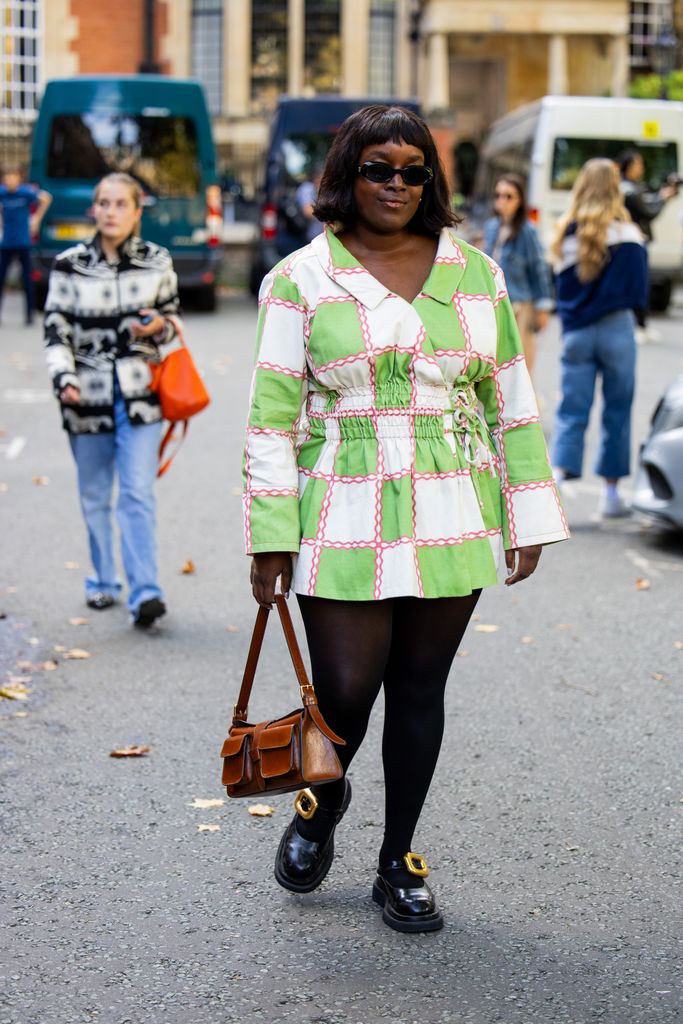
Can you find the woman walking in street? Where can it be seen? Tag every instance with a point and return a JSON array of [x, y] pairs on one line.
[[394, 459], [602, 280], [512, 241], [111, 310]]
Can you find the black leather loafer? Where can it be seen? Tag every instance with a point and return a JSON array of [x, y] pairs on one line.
[[407, 909], [148, 612], [301, 864], [100, 601]]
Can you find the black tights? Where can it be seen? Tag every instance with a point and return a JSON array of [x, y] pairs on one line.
[[408, 644]]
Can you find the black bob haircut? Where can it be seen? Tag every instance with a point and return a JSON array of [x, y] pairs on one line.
[[371, 126]]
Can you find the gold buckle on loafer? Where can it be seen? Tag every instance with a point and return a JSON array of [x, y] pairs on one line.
[[306, 803], [416, 864]]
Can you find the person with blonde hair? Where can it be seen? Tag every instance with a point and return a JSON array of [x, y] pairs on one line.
[[111, 310], [600, 264]]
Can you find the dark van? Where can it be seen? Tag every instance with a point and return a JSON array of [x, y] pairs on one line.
[[300, 136], [154, 128]]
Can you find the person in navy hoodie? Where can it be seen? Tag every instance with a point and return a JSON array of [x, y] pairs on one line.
[[513, 243], [601, 281], [23, 207]]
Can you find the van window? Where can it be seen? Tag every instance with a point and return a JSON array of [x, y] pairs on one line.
[[570, 155], [160, 152], [303, 153]]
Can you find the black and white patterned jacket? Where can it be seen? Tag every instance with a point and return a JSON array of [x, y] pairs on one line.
[[90, 307]]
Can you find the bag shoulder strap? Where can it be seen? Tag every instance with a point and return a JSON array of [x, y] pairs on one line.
[[170, 435], [310, 701]]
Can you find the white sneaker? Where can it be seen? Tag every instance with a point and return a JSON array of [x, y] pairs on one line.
[[612, 506]]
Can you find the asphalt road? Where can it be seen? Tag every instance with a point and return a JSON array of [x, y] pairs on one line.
[[553, 829]]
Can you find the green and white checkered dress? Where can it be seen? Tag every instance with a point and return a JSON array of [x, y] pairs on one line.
[[395, 448]]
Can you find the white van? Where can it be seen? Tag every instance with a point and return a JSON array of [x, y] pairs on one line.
[[549, 141]]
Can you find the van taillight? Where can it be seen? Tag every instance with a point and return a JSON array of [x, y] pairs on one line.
[[268, 222], [214, 216], [533, 215]]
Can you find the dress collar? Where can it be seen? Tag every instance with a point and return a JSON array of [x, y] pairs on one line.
[[343, 268]]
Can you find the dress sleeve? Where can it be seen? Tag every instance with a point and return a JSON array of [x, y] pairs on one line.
[[531, 508], [270, 474], [59, 320]]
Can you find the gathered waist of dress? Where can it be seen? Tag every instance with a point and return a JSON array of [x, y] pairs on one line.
[[393, 410]]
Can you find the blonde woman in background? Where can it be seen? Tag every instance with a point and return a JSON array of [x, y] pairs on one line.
[[601, 281]]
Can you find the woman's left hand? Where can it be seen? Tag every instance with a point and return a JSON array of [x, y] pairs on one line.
[[521, 562], [155, 325]]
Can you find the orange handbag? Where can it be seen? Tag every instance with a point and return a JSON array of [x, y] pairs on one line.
[[177, 382]]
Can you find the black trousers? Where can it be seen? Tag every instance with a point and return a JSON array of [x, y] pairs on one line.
[[7, 256]]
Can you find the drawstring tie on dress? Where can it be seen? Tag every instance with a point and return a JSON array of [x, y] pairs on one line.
[[470, 430]]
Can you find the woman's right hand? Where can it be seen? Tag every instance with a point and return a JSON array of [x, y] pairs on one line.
[[70, 395], [265, 569]]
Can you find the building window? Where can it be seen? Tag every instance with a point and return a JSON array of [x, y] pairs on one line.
[[648, 17], [207, 50], [381, 46], [20, 41], [322, 46], [268, 52]]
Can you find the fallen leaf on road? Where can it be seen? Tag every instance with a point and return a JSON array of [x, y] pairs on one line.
[[71, 565], [47, 666], [20, 714], [77, 654], [188, 568], [14, 691], [41, 481], [78, 621], [260, 810], [659, 677], [527, 640], [484, 627], [475, 617], [232, 629], [11, 590], [59, 648], [208, 828], [463, 654], [132, 751], [204, 804], [19, 680], [678, 644], [34, 641], [642, 583], [4, 487], [25, 666], [563, 625]]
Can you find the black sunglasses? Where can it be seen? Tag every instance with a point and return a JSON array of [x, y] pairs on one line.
[[381, 173]]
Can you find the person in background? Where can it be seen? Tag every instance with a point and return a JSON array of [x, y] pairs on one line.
[[513, 243], [306, 196], [644, 207], [601, 280], [20, 222], [111, 310]]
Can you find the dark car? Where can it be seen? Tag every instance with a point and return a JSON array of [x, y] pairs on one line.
[[300, 136], [658, 492]]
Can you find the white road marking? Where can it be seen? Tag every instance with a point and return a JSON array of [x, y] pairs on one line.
[[26, 396], [653, 566], [15, 447]]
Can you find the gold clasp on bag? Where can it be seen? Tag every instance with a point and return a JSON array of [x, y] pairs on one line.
[[306, 803], [416, 864]]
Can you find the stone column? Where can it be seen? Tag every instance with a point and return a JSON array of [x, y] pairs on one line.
[[437, 91], [620, 69], [174, 46], [558, 76], [295, 47], [236, 57], [355, 16]]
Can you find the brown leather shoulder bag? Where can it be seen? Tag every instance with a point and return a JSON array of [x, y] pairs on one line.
[[284, 754]]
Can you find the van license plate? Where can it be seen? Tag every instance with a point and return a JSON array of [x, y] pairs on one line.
[[72, 232]]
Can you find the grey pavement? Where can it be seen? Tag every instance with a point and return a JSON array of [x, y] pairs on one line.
[[553, 828]]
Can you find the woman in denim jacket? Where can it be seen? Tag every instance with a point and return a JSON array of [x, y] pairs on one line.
[[513, 243]]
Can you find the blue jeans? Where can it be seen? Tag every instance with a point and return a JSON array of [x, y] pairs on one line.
[[133, 452], [606, 347], [24, 257]]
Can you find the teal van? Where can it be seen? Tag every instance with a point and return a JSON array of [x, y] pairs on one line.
[[154, 128]]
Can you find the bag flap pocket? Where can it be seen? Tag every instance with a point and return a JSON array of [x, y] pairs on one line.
[[232, 745], [276, 736]]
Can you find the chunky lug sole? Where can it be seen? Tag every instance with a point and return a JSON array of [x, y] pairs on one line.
[[314, 881], [402, 922]]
